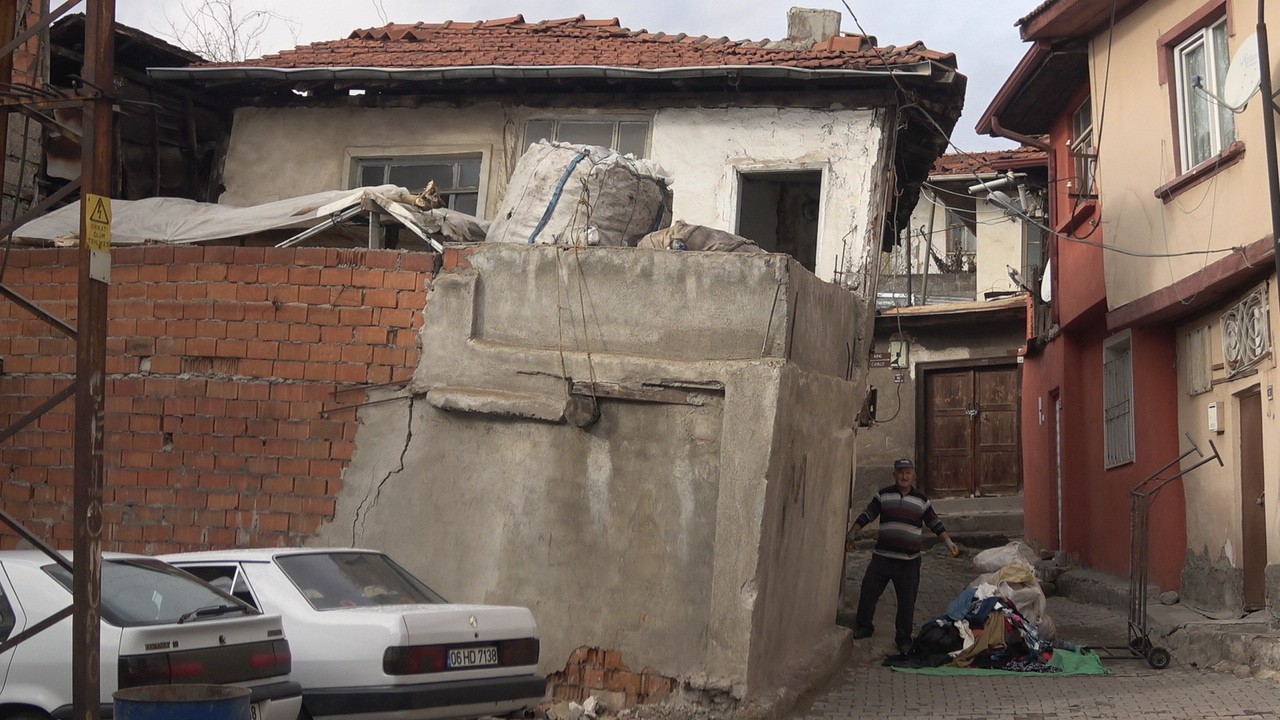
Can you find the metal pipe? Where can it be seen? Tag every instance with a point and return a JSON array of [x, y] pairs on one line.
[[1269, 132]]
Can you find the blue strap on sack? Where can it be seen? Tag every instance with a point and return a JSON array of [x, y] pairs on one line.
[[555, 197]]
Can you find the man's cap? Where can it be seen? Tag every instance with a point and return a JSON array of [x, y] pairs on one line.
[[903, 464]]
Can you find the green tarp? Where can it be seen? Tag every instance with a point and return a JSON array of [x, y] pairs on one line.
[[1071, 662]]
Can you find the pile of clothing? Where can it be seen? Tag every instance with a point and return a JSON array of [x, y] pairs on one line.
[[998, 622]]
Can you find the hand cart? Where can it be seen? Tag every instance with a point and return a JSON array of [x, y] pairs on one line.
[[1140, 646]]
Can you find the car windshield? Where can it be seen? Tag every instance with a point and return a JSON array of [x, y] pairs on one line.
[[149, 592], [336, 580]]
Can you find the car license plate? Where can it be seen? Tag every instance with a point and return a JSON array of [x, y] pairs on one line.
[[473, 657], [255, 711]]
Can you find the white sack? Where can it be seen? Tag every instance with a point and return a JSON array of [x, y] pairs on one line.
[[562, 194]]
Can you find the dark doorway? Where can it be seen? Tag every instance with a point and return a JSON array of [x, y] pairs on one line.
[[1253, 512], [779, 211]]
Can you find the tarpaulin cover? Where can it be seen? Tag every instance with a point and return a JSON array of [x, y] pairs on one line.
[[179, 221]]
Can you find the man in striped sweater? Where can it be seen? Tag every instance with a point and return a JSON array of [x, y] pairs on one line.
[[903, 512]]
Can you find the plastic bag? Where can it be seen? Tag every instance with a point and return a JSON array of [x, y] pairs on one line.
[[1013, 553]]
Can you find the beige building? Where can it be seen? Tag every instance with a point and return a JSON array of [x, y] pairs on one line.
[[1182, 181]]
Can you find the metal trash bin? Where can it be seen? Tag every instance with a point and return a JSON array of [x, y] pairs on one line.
[[182, 702]]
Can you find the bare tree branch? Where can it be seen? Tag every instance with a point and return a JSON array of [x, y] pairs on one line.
[[218, 30]]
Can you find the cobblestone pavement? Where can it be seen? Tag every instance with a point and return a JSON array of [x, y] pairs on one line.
[[865, 689]]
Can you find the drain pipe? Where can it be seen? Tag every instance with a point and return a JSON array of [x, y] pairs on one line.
[[1269, 132]]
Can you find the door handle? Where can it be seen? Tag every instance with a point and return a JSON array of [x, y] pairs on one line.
[[971, 411], [1261, 498]]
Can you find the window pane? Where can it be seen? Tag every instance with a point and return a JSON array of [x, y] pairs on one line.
[[586, 132], [464, 202], [335, 580], [415, 177], [1221, 61], [371, 175], [631, 137], [536, 130], [1197, 130], [469, 173]]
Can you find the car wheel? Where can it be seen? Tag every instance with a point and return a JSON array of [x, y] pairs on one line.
[[303, 714]]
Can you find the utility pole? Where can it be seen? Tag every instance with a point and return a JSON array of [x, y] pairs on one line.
[[91, 354], [1269, 131]]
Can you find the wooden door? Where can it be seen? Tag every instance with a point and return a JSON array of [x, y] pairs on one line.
[[970, 426], [1253, 514]]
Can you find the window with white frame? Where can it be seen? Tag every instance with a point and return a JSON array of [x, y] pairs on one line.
[[1205, 126], [457, 177], [1083, 158], [1193, 361], [1117, 399], [628, 136]]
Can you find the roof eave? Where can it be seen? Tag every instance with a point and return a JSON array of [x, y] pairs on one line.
[[1073, 18], [923, 69]]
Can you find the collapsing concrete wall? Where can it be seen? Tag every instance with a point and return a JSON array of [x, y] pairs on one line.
[[650, 449]]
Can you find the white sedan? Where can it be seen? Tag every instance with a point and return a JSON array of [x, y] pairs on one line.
[[159, 627], [373, 642]]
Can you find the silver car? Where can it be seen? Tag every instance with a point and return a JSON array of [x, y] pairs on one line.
[[373, 642], [159, 626]]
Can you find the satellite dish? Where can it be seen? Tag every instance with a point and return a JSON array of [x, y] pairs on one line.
[[1046, 282], [1243, 76]]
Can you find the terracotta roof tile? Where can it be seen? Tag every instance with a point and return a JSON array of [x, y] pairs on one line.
[[577, 41], [986, 162]]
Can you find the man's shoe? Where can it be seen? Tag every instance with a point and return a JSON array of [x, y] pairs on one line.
[[861, 633], [904, 647]]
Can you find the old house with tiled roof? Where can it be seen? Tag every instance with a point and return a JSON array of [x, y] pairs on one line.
[[815, 145]]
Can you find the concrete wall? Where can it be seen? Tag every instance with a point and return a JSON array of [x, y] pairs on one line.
[[695, 527], [274, 152]]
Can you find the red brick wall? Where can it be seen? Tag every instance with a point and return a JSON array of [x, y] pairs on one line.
[[231, 372]]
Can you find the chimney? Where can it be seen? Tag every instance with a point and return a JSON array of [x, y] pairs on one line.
[[811, 26]]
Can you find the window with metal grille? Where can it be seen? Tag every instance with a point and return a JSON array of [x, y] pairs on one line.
[[1084, 159], [457, 177], [1117, 399], [627, 136], [1246, 333], [1205, 127], [1193, 360]]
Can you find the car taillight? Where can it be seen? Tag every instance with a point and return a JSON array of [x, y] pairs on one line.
[[144, 670], [413, 660], [273, 660], [518, 652]]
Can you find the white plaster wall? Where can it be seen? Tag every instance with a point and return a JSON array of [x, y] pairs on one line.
[[706, 149], [285, 152], [999, 245]]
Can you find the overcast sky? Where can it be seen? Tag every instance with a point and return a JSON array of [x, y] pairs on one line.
[[982, 35]]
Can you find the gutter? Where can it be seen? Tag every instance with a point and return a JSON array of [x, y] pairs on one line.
[[528, 72]]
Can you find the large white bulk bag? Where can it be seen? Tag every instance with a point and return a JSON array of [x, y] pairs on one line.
[[563, 194]]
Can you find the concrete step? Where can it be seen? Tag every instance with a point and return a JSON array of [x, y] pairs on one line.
[[982, 516]]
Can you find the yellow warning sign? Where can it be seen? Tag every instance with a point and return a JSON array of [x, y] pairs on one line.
[[98, 222]]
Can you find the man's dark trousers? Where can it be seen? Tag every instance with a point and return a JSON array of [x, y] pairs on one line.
[[905, 576]]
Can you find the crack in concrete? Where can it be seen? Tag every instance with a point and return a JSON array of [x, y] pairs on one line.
[[377, 491]]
